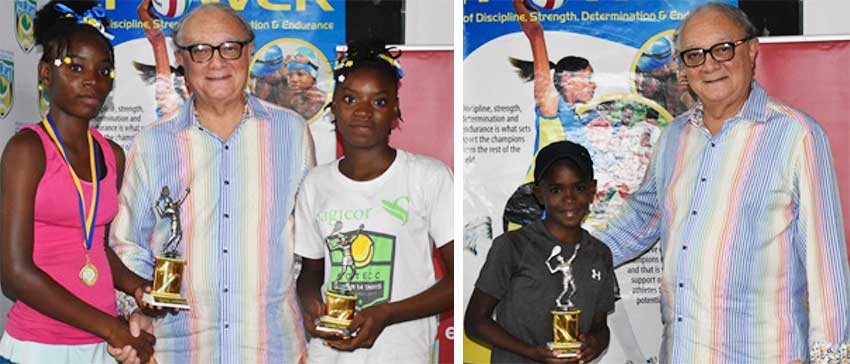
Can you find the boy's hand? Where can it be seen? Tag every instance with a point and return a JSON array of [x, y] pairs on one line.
[[367, 325], [591, 347], [543, 354]]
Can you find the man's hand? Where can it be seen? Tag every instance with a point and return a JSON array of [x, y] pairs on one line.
[[367, 326]]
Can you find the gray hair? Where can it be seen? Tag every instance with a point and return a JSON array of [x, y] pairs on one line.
[[177, 33], [738, 16]]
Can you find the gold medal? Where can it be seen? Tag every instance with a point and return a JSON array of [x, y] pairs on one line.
[[88, 275]]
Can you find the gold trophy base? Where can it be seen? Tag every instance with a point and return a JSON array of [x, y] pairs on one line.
[[167, 279], [339, 311], [566, 332]]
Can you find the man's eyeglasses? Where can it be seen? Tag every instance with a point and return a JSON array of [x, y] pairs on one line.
[[203, 53], [721, 52]]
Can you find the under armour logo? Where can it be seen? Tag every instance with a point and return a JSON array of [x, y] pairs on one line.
[[595, 274]]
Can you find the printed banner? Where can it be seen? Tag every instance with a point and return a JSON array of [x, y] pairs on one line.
[[613, 85], [292, 65]]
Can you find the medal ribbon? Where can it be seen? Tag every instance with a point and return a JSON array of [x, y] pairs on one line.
[[88, 221]]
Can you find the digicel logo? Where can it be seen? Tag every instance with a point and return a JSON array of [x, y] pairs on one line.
[[276, 5]]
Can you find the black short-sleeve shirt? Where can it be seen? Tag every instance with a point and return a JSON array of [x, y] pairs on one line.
[[516, 274]]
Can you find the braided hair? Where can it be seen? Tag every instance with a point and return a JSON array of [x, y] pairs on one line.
[[372, 55], [55, 29]]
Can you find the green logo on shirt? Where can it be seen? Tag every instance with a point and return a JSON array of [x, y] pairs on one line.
[[395, 208], [373, 254]]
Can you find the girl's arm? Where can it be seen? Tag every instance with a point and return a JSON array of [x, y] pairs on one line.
[[123, 278], [479, 324], [21, 169], [370, 322], [545, 93]]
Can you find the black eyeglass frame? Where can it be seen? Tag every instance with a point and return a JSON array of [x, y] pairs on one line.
[[214, 49], [710, 50]]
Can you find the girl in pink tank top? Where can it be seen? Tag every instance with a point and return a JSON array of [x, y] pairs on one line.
[[59, 183]]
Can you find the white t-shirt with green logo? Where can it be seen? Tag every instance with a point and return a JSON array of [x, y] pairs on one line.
[[401, 211]]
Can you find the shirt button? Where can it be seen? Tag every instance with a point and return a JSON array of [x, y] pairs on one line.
[[226, 289], [200, 128], [678, 319], [684, 247], [694, 212], [680, 286], [226, 147], [224, 250], [702, 179], [226, 182], [712, 145], [226, 216], [227, 326]]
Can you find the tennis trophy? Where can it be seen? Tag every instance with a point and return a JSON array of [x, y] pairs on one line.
[[340, 299], [168, 268], [565, 316]]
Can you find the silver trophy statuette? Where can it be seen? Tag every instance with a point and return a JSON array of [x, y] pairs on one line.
[[167, 208], [343, 243], [566, 268]]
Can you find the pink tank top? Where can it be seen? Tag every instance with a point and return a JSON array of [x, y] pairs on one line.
[[58, 247]]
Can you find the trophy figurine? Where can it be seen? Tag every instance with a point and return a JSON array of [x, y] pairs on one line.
[[168, 268], [565, 316], [340, 299]]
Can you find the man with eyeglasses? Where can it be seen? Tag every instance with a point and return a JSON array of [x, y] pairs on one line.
[[742, 194], [242, 159]]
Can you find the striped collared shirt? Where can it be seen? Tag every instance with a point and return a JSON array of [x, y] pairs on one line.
[[236, 232], [752, 237]]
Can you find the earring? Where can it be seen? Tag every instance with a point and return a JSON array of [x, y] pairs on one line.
[[112, 74], [57, 62], [40, 87]]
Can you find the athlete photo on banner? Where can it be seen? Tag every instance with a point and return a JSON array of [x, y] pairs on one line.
[[612, 84]]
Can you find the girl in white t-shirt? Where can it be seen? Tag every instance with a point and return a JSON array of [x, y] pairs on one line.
[[385, 207]]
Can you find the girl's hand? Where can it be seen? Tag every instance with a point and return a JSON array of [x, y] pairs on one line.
[[119, 336], [366, 327], [311, 315]]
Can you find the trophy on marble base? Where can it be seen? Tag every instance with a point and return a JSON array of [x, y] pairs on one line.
[[168, 268], [565, 324], [340, 299]]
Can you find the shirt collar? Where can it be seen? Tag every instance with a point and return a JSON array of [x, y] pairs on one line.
[[755, 108], [188, 117]]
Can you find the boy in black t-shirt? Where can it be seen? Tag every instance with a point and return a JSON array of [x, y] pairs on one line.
[[516, 283]]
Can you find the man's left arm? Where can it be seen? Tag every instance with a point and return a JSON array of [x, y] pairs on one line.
[[821, 244]]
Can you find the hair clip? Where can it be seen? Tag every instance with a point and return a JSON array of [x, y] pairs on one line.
[[58, 62], [93, 17]]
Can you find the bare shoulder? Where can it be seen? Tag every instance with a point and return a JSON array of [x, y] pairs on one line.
[[23, 150]]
